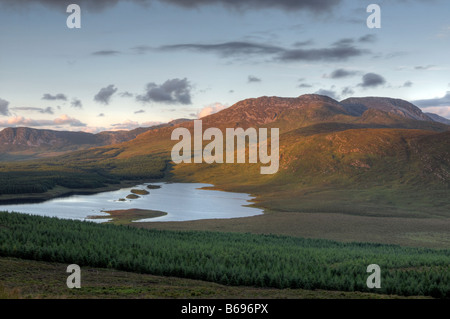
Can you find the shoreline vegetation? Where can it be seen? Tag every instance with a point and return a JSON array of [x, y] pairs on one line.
[[60, 192], [127, 216]]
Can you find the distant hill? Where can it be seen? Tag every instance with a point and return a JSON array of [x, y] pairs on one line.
[[28, 143], [357, 106], [438, 118]]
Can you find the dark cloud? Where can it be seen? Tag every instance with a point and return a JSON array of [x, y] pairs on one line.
[[344, 42], [105, 94], [106, 53], [340, 53], [322, 6], [305, 86], [172, 91], [328, 93], [101, 115], [139, 112], [288, 5], [370, 80], [4, 110], [443, 101], [49, 97], [253, 79], [47, 110], [368, 38], [341, 73], [76, 103], [227, 49]]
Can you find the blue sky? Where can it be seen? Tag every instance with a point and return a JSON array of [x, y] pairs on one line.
[[134, 65]]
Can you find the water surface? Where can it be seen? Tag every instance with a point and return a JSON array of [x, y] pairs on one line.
[[181, 202]]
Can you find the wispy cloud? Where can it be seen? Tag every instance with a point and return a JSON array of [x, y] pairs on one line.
[[211, 109], [47, 110], [340, 51], [22, 121], [106, 53]]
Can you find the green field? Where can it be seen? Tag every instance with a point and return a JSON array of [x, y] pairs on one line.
[[236, 259]]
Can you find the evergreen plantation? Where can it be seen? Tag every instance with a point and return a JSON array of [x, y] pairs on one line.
[[228, 258]]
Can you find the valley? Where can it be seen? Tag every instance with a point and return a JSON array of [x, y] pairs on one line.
[[359, 171]]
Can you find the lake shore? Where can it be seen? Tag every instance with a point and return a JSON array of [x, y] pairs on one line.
[[127, 216]]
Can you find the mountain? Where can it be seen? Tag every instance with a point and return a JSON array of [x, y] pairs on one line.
[[357, 106], [356, 156], [28, 143], [438, 118]]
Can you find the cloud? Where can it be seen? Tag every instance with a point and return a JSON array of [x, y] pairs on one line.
[[106, 53], [323, 6], [131, 125], [47, 110], [368, 38], [371, 80], [67, 120], [49, 97], [424, 67], [253, 79], [176, 91], [126, 94], [139, 112], [76, 103], [4, 110], [227, 49], [105, 94], [347, 91], [407, 84], [339, 51], [341, 73], [211, 109], [22, 121], [305, 86], [101, 115], [436, 102], [328, 93], [344, 42]]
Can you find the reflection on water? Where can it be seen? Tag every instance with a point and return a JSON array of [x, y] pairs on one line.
[[181, 201]]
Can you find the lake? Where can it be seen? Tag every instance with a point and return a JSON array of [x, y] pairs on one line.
[[181, 202]]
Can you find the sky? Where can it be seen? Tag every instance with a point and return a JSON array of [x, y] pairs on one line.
[[143, 62]]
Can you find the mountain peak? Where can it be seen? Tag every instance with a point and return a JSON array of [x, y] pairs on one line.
[[358, 105]]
